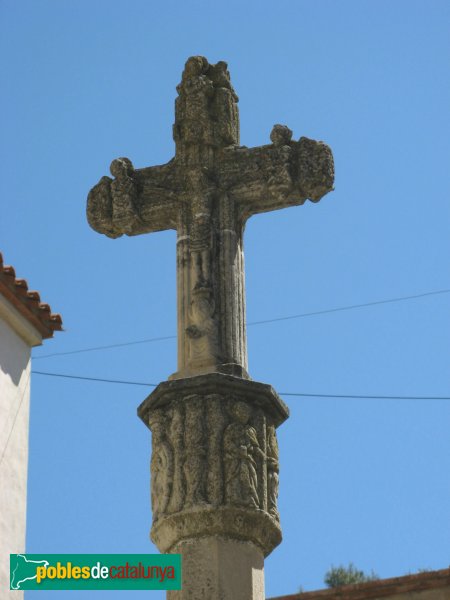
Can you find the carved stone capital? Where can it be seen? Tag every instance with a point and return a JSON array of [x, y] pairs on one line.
[[214, 467]]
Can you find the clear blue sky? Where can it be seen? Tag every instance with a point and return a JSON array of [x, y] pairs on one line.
[[87, 81]]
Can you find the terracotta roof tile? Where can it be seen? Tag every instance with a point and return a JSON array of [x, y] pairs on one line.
[[380, 588], [28, 302]]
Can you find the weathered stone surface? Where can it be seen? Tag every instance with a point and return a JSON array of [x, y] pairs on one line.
[[214, 466], [207, 192]]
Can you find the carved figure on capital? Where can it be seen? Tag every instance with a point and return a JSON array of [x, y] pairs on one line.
[[241, 447], [272, 472], [195, 468], [161, 466], [176, 436], [216, 423]]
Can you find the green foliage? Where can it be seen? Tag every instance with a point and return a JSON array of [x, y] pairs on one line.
[[338, 576]]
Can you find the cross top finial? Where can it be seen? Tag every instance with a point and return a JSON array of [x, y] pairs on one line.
[[206, 113]]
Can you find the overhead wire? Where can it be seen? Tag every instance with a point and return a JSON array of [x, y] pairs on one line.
[[251, 323], [303, 394]]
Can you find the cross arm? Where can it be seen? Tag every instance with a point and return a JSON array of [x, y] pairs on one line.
[[284, 173], [136, 201]]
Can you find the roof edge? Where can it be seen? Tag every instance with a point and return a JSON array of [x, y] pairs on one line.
[[379, 588], [28, 303]]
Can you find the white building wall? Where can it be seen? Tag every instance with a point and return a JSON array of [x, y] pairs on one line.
[[15, 370]]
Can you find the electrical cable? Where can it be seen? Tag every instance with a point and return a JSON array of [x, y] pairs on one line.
[[370, 397], [252, 323]]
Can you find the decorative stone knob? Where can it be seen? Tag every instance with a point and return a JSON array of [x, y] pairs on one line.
[[280, 135]]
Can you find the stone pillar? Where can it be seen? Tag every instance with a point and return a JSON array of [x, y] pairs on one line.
[[214, 481], [220, 568]]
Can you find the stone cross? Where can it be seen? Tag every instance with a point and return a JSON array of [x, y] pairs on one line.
[[207, 192], [214, 466]]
